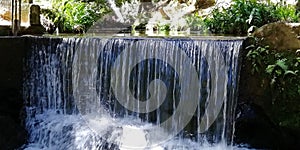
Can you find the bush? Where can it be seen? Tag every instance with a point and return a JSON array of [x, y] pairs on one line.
[[196, 23], [242, 14], [72, 15]]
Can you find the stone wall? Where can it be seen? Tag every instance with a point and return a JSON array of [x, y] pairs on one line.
[[13, 134]]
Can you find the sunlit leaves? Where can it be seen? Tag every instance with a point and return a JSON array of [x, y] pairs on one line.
[[70, 15], [242, 14]]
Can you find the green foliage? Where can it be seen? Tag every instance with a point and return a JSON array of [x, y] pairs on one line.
[[242, 14], [163, 27], [120, 2], [281, 70], [257, 55], [196, 23], [70, 15], [285, 75]]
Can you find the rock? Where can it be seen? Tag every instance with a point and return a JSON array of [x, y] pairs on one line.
[[253, 86], [280, 36], [254, 128], [203, 4], [200, 4]]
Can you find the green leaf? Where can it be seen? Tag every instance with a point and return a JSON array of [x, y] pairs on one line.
[[289, 72], [250, 47], [278, 72], [281, 64], [270, 69]]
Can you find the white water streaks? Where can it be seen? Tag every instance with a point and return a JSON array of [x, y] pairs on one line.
[[71, 87]]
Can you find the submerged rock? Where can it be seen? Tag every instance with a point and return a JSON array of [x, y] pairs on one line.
[[280, 36]]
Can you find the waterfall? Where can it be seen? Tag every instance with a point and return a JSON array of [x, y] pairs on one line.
[[131, 93]]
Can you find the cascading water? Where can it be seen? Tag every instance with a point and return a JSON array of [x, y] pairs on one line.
[[131, 93]]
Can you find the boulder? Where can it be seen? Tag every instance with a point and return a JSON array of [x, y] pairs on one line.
[[280, 36], [203, 4]]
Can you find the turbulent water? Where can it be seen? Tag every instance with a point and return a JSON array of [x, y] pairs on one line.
[[98, 93]]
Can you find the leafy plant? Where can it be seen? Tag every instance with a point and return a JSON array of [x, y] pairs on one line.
[[70, 15], [286, 12], [242, 14], [281, 68], [285, 76], [257, 57], [196, 23], [163, 27], [282, 71]]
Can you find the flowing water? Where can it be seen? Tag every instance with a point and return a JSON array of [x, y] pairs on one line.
[[131, 93]]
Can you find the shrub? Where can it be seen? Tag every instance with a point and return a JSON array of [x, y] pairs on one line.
[[70, 15], [196, 23], [242, 14]]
